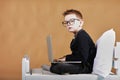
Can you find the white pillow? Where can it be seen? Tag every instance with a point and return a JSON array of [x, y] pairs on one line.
[[103, 60]]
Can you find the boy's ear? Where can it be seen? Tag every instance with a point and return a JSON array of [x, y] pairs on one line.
[[81, 23]]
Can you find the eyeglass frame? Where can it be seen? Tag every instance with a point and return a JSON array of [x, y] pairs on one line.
[[65, 23]]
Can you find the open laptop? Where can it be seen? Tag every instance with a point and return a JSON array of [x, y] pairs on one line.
[[50, 53]]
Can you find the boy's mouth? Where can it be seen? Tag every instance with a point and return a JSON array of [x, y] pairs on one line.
[[69, 28]]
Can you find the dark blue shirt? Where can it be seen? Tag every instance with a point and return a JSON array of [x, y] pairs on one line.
[[83, 48]]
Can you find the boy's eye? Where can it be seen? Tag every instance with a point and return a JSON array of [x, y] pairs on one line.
[[72, 20]]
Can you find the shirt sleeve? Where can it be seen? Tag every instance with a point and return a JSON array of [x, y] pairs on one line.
[[84, 47]]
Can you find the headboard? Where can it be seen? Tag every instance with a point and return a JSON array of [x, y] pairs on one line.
[[116, 63]]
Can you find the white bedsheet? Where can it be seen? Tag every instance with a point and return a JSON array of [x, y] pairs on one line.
[[40, 74]]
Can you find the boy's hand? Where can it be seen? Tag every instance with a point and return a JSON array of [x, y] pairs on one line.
[[60, 59]]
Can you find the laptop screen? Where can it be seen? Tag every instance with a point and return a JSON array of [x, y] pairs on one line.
[[49, 45]]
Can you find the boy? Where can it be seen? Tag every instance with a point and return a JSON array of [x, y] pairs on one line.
[[82, 47]]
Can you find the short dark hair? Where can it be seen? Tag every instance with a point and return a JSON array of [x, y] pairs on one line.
[[72, 11]]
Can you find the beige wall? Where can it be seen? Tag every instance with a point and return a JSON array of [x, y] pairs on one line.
[[24, 25]]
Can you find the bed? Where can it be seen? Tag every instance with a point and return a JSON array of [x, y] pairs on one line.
[[41, 74], [105, 48]]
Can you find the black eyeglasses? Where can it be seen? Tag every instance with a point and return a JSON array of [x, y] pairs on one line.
[[70, 22]]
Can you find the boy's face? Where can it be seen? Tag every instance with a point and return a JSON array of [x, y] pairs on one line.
[[72, 23]]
